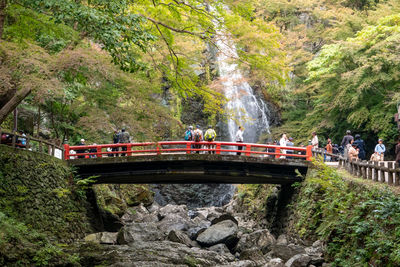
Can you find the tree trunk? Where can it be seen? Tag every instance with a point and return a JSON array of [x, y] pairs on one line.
[[3, 4], [13, 103]]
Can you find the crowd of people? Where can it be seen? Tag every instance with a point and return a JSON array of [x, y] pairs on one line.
[[351, 147]]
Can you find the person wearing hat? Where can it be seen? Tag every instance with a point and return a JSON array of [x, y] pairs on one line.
[[210, 136], [353, 151], [81, 151], [380, 150]]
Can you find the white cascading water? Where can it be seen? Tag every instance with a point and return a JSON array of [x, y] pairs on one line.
[[244, 107]]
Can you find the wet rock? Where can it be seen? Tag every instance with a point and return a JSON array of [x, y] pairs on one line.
[[286, 252], [254, 255], [199, 226], [138, 232], [223, 232], [154, 207], [261, 239], [275, 262], [180, 237], [224, 217], [299, 260]]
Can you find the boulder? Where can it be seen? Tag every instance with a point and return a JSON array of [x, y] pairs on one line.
[[222, 232], [138, 232], [175, 221], [135, 214], [254, 255], [173, 209], [245, 263], [286, 252], [282, 240], [219, 248], [299, 260], [224, 217], [261, 239], [180, 237], [108, 238], [275, 262], [93, 238]]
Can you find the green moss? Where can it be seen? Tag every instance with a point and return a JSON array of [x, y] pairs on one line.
[[360, 224]]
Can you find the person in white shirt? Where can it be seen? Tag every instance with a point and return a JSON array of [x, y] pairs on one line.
[[314, 140], [239, 139], [283, 142]]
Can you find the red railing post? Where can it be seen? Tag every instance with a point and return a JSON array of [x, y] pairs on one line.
[[158, 149], [129, 149], [309, 153], [66, 151], [248, 150], [98, 152], [218, 149], [188, 148], [277, 152]]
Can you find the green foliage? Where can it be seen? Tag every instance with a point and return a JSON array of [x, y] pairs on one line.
[[359, 224]]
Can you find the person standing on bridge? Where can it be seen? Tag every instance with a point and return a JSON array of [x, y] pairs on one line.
[[124, 138], [361, 146], [197, 137], [345, 141], [329, 150], [81, 151], [380, 150], [210, 136], [239, 139], [353, 151], [397, 150], [283, 142], [115, 141], [314, 140]]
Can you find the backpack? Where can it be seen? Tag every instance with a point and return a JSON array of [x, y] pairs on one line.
[[188, 135], [210, 135], [197, 136]]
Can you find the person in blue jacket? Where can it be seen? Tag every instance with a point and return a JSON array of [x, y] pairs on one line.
[[361, 146]]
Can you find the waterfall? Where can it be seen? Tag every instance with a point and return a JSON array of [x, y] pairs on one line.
[[243, 106]]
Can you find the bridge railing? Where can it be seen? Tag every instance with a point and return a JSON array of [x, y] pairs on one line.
[[383, 171], [185, 147], [31, 143]]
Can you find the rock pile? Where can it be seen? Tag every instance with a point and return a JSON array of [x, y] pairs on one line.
[[174, 236]]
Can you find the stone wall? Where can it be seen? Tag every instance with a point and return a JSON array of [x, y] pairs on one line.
[[37, 190]]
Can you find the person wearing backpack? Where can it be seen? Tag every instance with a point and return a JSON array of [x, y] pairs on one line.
[[210, 136], [197, 137], [189, 134]]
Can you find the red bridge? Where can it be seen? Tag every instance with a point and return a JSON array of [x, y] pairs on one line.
[[190, 162]]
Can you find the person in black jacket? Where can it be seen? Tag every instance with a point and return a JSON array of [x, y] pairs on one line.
[[345, 142], [115, 141], [79, 151], [361, 146]]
